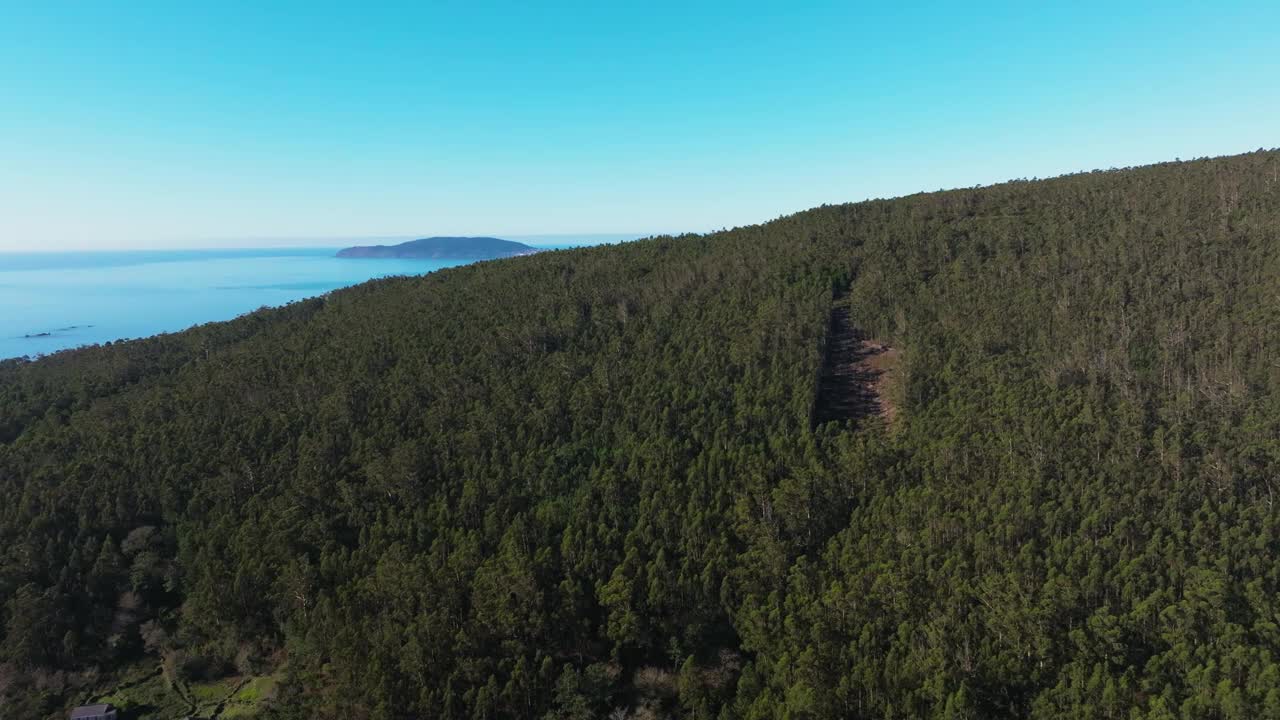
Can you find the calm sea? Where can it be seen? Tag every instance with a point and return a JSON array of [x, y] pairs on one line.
[[53, 301]]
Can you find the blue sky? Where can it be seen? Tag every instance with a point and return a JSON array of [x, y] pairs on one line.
[[148, 124]]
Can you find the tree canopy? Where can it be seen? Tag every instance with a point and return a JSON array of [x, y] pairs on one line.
[[589, 482]]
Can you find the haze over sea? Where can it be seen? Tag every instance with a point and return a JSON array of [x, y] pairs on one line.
[[55, 301]]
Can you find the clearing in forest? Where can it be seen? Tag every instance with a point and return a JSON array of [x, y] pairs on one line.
[[145, 694], [857, 373]]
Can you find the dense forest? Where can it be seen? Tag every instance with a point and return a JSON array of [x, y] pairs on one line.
[[592, 483]]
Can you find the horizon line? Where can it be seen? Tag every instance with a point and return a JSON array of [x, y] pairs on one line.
[[331, 241]]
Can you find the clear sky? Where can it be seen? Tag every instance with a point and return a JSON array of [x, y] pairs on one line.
[[151, 124]]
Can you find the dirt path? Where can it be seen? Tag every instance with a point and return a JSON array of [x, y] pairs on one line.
[[856, 373]]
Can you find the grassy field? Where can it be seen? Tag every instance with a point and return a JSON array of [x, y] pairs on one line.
[[146, 695], [248, 700]]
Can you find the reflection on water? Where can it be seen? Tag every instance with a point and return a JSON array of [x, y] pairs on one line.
[[53, 301]]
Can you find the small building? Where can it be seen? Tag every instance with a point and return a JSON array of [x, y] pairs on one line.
[[101, 711]]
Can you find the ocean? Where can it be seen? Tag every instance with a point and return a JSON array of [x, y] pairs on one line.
[[55, 301]]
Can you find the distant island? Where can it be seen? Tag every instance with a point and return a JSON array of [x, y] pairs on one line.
[[442, 248]]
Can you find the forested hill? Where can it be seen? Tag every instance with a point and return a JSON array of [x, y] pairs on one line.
[[590, 482]]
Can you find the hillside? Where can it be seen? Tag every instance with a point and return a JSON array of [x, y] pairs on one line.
[[606, 481], [442, 248]]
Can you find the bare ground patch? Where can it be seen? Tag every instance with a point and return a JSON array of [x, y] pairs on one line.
[[858, 375]]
